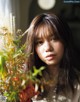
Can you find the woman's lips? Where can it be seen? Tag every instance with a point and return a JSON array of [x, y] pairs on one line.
[[50, 57]]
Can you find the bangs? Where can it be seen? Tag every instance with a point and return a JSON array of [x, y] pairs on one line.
[[44, 30]]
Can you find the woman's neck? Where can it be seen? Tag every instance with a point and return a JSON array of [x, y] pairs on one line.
[[51, 76], [53, 70]]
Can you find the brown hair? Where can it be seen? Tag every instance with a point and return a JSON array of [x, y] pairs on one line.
[[50, 23]]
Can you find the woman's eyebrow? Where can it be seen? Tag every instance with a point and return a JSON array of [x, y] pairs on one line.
[[38, 38]]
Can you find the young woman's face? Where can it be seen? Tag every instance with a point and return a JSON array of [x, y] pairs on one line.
[[49, 49]]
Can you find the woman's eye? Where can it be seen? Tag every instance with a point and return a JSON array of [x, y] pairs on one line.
[[39, 42]]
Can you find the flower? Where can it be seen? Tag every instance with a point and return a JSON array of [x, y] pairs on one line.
[[16, 81], [27, 93]]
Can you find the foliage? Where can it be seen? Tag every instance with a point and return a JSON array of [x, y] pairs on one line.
[[14, 75]]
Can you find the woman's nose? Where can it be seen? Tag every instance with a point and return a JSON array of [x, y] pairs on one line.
[[48, 46]]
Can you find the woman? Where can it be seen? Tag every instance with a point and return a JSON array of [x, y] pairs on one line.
[[50, 43]]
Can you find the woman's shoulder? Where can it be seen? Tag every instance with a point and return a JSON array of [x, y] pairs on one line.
[[76, 97], [72, 98]]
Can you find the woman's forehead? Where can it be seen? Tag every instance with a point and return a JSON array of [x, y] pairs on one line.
[[44, 31]]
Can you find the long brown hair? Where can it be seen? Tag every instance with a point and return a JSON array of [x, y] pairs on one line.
[[69, 69]]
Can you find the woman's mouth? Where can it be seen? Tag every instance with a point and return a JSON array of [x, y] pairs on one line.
[[50, 57]]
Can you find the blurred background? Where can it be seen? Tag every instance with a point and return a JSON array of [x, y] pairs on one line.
[[25, 10], [28, 9]]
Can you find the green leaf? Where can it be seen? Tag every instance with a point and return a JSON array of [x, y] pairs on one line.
[[37, 71]]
